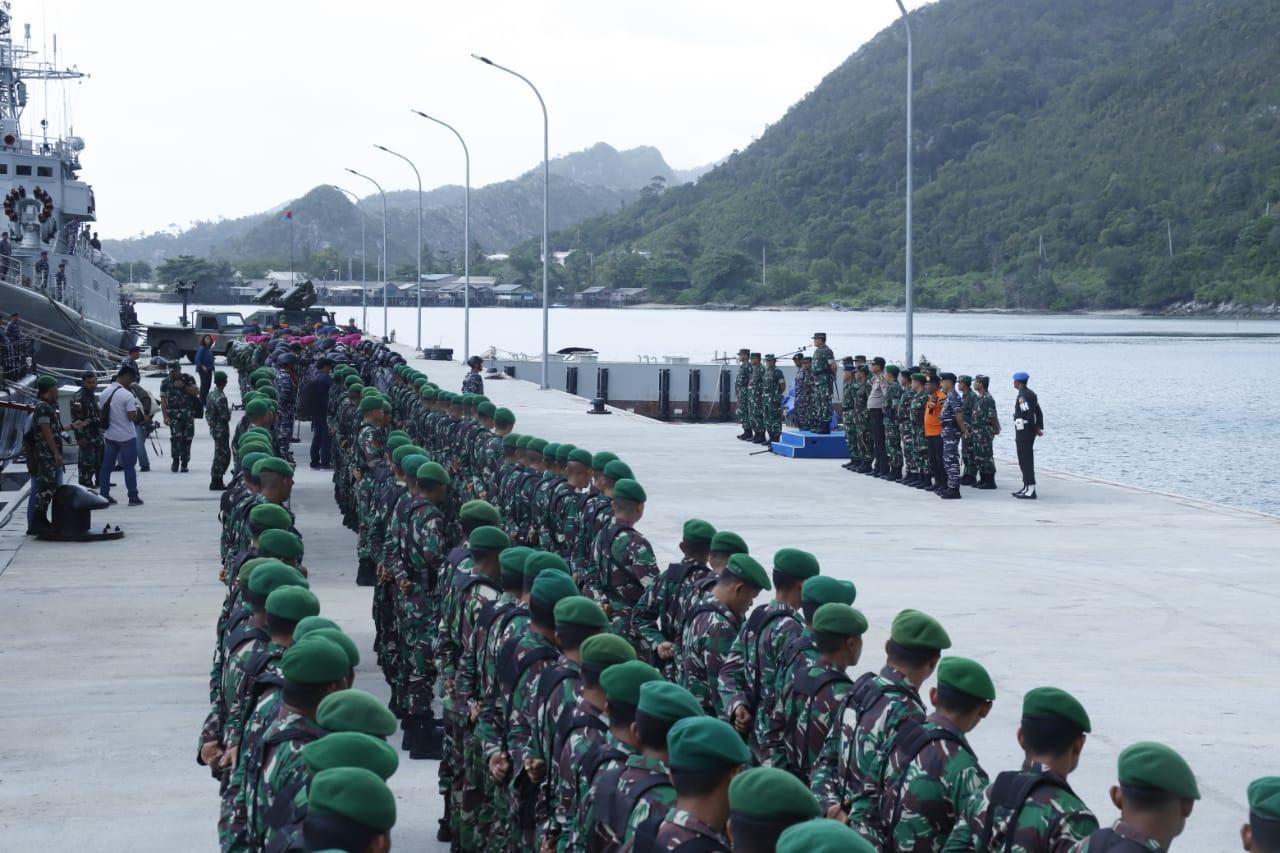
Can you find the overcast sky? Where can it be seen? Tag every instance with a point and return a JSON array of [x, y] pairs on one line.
[[205, 110]]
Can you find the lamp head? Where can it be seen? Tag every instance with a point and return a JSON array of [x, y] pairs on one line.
[[486, 60]]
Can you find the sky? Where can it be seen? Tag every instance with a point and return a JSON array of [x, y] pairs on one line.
[[197, 111]]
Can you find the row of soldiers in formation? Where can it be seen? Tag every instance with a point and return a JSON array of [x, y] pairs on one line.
[[594, 702]]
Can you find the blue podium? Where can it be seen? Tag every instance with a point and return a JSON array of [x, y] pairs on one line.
[[811, 445]]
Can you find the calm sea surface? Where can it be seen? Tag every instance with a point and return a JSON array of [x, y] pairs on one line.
[[1175, 405]]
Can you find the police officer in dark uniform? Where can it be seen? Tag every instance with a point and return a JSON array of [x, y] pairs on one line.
[[1028, 425]]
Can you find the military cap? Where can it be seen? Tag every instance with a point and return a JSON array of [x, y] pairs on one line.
[[579, 455], [344, 642], [770, 357], [847, 364], [404, 448], [284, 544], [246, 570], [512, 561], [1021, 376], [616, 469], [428, 393], [825, 589], [432, 472], [746, 569], [351, 749], [314, 660], [1059, 704], [270, 392], [269, 516], [490, 537], [755, 355], [398, 432], [311, 623], [668, 702], [771, 794], [270, 576], [839, 619], [537, 445], [705, 743], [478, 510], [795, 563], [601, 459], [806, 358], [821, 835], [629, 490], [1148, 764], [564, 451], [1264, 798], [353, 793], [510, 441], [253, 445], [256, 408], [622, 682], [915, 630], [917, 377], [539, 561], [822, 335], [354, 379], [372, 403], [549, 450], [892, 369], [606, 650], [272, 465], [580, 610], [967, 676], [258, 381], [486, 409], [552, 585], [744, 351], [257, 430], [697, 531], [728, 542], [522, 443], [947, 375], [262, 372], [967, 380], [395, 442], [504, 417], [219, 376], [355, 711], [861, 368], [293, 603]]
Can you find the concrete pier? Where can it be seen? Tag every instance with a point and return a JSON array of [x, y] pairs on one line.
[[1156, 611]]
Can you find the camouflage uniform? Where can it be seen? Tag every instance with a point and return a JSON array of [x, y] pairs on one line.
[[525, 657], [892, 433], [217, 414], [920, 445], [742, 390], [821, 381], [659, 614], [1120, 837], [803, 717], [802, 402], [772, 386], [708, 637], [1052, 818], [287, 396], [47, 471], [281, 767], [89, 440], [751, 668], [951, 406], [419, 608], [969, 408], [182, 424], [756, 390], [849, 419], [679, 827], [638, 788], [370, 448], [982, 435], [610, 758], [626, 568]]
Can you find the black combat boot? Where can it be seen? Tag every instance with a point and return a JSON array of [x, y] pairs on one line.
[[427, 742], [968, 479], [216, 485], [367, 573], [775, 437], [759, 438], [985, 481], [445, 833], [924, 483], [895, 474], [865, 468], [173, 466], [410, 728], [745, 435], [949, 494]]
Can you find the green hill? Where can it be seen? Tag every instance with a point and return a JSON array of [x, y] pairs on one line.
[[1060, 147]]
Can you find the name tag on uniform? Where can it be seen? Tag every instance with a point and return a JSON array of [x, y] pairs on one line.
[[1019, 423]]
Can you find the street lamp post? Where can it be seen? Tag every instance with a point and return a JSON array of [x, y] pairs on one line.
[[466, 240], [546, 192], [386, 331], [419, 177], [906, 22], [364, 290]]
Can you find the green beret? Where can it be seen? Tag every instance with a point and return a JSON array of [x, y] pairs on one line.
[[411, 463], [394, 442], [510, 441], [261, 383], [356, 711], [269, 516], [486, 409], [314, 660], [262, 373], [257, 430], [1264, 797], [1148, 764], [398, 432], [839, 619], [601, 459], [270, 576], [539, 561], [354, 380], [582, 457], [219, 376], [254, 440], [284, 544], [428, 393], [537, 445], [825, 589], [622, 682], [549, 452], [668, 702], [512, 561], [270, 392], [249, 460], [433, 472], [311, 623], [481, 511], [727, 542], [487, 536], [522, 443], [745, 568], [580, 610], [618, 470], [550, 586], [967, 676], [564, 451], [344, 642], [771, 794], [293, 603], [605, 650], [821, 835], [705, 743], [246, 569], [968, 380], [798, 564], [504, 418], [403, 448], [272, 465], [256, 408], [918, 377], [351, 749], [372, 403], [1052, 702], [697, 531], [629, 490], [356, 794], [915, 630]]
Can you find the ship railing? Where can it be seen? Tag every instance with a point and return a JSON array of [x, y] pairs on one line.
[[10, 270]]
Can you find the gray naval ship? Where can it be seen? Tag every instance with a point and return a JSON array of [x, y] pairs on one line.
[[52, 272]]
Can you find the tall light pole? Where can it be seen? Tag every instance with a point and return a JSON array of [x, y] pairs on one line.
[[386, 331], [546, 193], [364, 290], [419, 177], [906, 22], [466, 239]]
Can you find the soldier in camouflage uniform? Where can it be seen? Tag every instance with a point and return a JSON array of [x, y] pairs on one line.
[[773, 386], [369, 455], [982, 432], [822, 378], [712, 626], [1033, 810], [1156, 794], [919, 445], [658, 617], [849, 415], [217, 414], [178, 395], [968, 408], [742, 392], [564, 512], [286, 384], [802, 406], [850, 770], [756, 390], [892, 434], [932, 776], [626, 566], [86, 425], [764, 802], [46, 428]]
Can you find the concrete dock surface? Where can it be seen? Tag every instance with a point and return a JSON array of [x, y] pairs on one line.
[[1156, 611]]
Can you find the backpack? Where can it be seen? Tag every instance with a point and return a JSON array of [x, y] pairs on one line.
[[910, 741], [646, 839], [613, 808], [1010, 791]]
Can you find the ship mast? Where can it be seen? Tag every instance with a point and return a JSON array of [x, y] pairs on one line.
[[14, 71]]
